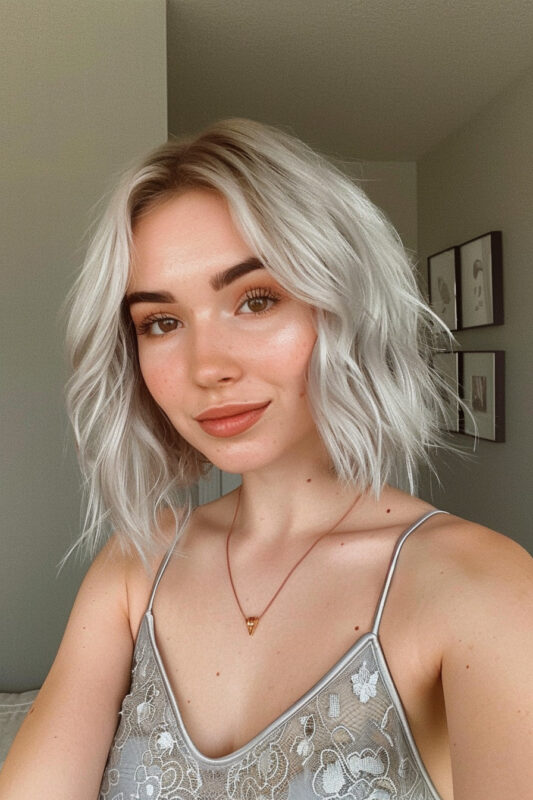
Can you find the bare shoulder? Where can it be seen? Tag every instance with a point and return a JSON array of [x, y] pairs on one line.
[[470, 549], [481, 602], [140, 573], [473, 573]]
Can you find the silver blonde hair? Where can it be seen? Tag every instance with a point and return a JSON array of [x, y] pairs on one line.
[[376, 401]]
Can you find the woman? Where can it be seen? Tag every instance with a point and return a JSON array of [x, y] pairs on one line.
[[243, 304]]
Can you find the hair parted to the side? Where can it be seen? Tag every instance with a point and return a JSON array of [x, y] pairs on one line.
[[376, 401]]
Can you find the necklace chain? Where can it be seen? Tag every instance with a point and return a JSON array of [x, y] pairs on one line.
[[252, 622]]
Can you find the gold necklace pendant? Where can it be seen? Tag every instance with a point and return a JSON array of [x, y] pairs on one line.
[[252, 622]]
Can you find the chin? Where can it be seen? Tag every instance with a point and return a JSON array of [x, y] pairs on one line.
[[238, 466], [239, 462]]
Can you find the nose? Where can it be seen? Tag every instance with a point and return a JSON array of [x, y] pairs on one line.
[[212, 355]]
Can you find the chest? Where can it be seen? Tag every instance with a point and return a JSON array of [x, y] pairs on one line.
[[347, 737], [230, 686]]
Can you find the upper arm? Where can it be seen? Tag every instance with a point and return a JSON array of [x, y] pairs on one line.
[[487, 675], [61, 748]]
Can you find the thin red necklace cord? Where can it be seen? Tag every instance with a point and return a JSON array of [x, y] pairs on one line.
[[252, 622]]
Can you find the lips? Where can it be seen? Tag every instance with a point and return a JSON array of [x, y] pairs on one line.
[[229, 410], [232, 425]]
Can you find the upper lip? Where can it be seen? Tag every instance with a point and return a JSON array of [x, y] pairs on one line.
[[229, 410]]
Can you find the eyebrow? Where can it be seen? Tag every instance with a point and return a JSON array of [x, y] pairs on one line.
[[217, 282]]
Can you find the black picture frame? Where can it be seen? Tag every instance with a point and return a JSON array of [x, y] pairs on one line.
[[481, 281], [482, 389], [447, 365], [444, 286]]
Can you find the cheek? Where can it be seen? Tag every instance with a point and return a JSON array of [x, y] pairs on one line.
[[160, 381], [287, 353]]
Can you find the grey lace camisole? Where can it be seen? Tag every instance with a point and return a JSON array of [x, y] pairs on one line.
[[347, 737]]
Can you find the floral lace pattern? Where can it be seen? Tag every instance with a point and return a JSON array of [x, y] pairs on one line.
[[346, 741], [364, 683]]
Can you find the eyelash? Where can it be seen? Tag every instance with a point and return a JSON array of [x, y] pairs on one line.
[[256, 293]]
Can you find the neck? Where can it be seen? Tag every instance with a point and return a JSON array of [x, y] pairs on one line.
[[281, 507]]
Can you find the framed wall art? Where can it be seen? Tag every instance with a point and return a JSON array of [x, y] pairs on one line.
[[447, 365], [481, 281], [482, 382], [444, 287]]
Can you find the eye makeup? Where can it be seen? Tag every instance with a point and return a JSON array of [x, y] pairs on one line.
[[251, 296]]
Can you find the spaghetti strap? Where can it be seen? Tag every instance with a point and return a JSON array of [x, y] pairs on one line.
[[166, 558], [394, 561], [160, 571]]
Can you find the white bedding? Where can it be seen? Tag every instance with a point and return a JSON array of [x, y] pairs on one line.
[[13, 708]]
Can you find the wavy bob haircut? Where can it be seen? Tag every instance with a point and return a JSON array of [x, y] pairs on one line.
[[376, 401]]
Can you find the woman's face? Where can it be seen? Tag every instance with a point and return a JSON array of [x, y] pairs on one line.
[[205, 340]]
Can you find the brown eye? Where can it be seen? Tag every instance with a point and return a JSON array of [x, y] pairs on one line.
[[157, 326], [165, 325], [258, 304], [260, 301]]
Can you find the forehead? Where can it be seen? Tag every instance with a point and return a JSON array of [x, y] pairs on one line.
[[192, 231]]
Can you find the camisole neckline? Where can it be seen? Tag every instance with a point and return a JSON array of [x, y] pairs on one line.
[[371, 638], [279, 721]]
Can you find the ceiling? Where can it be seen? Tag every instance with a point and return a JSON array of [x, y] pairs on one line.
[[372, 79]]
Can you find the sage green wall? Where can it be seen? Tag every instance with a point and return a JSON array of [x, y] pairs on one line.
[[481, 179], [83, 91]]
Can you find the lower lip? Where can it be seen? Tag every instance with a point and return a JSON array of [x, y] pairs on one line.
[[230, 426]]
